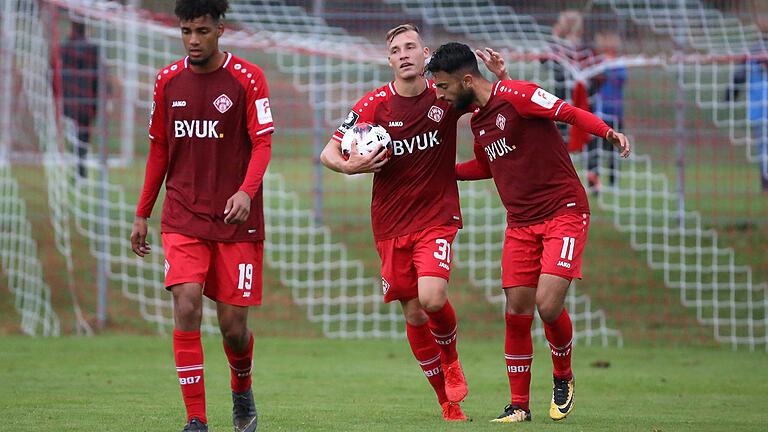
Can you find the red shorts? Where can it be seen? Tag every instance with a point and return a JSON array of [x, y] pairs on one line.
[[229, 272], [406, 258], [552, 247]]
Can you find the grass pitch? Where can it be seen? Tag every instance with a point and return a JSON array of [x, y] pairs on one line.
[[128, 383]]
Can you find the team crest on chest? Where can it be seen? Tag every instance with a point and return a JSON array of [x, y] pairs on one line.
[[501, 121], [223, 103], [436, 113]]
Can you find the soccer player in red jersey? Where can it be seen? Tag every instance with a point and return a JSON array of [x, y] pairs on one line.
[[210, 133], [415, 205], [518, 144]]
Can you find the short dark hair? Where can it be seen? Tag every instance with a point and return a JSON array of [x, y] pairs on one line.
[[453, 57], [187, 10]]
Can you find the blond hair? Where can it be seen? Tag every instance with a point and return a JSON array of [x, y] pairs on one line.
[[402, 28]]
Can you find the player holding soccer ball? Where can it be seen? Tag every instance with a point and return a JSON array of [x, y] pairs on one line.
[[415, 205], [210, 140], [518, 144]]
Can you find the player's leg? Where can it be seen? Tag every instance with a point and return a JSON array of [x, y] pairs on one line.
[[188, 351], [187, 263], [235, 284], [400, 282], [432, 256], [427, 353], [564, 240], [520, 267]]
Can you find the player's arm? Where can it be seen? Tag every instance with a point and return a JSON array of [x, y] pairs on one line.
[[532, 101], [332, 158], [494, 62], [475, 169], [260, 128], [591, 123], [157, 166]]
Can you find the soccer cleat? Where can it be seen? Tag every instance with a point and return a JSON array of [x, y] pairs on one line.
[[513, 414], [455, 383], [195, 425], [562, 398], [244, 415], [452, 412]]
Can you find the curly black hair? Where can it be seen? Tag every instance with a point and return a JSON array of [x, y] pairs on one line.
[[187, 10]]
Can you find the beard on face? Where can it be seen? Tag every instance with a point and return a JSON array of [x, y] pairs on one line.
[[464, 99]]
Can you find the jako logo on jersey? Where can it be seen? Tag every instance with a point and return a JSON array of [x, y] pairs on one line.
[[498, 148], [564, 264], [196, 128], [395, 124], [178, 104], [436, 113], [223, 103], [384, 285], [419, 142], [501, 121]]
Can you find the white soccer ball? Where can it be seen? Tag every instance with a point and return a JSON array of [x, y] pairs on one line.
[[368, 138]]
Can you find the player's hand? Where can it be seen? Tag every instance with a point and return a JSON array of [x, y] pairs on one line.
[[238, 208], [494, 62], [620, 141], [372, 162], [139, 237]]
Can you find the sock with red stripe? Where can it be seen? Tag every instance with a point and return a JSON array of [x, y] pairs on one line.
[[188, 352], [442, 325], [240, 364], [427, 353], [560, 337], [518, 351]]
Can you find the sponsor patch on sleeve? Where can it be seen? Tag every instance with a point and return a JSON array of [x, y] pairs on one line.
[[543, 98], [349, 121], [263, 111]]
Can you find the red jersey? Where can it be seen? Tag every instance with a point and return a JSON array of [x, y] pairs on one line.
[[417, 188], [518, 143], [211, 134]]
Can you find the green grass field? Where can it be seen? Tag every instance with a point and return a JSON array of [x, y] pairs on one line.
[[119, 383]]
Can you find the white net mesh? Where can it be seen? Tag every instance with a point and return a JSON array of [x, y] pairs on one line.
[[330, 68]]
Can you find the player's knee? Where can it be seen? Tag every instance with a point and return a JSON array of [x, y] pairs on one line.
[[550, 312], [236, 337], [188, 312], [416, 317], [434, 304]]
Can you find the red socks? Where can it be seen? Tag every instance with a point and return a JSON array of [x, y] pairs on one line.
[[240, 362], [560, 337], [518, 351], [188, 352], [427, 353], [442, 325]]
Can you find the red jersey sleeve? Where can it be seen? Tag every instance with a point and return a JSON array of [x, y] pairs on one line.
[[362, 112], [475, 169], [157, 162], [532, 101], [260, 128]]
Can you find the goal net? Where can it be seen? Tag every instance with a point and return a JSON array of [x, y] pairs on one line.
[[678, 231]]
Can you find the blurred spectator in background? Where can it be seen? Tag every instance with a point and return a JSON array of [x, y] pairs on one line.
[[751, 75], [80, 82], [569, 52], [608, 104]]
